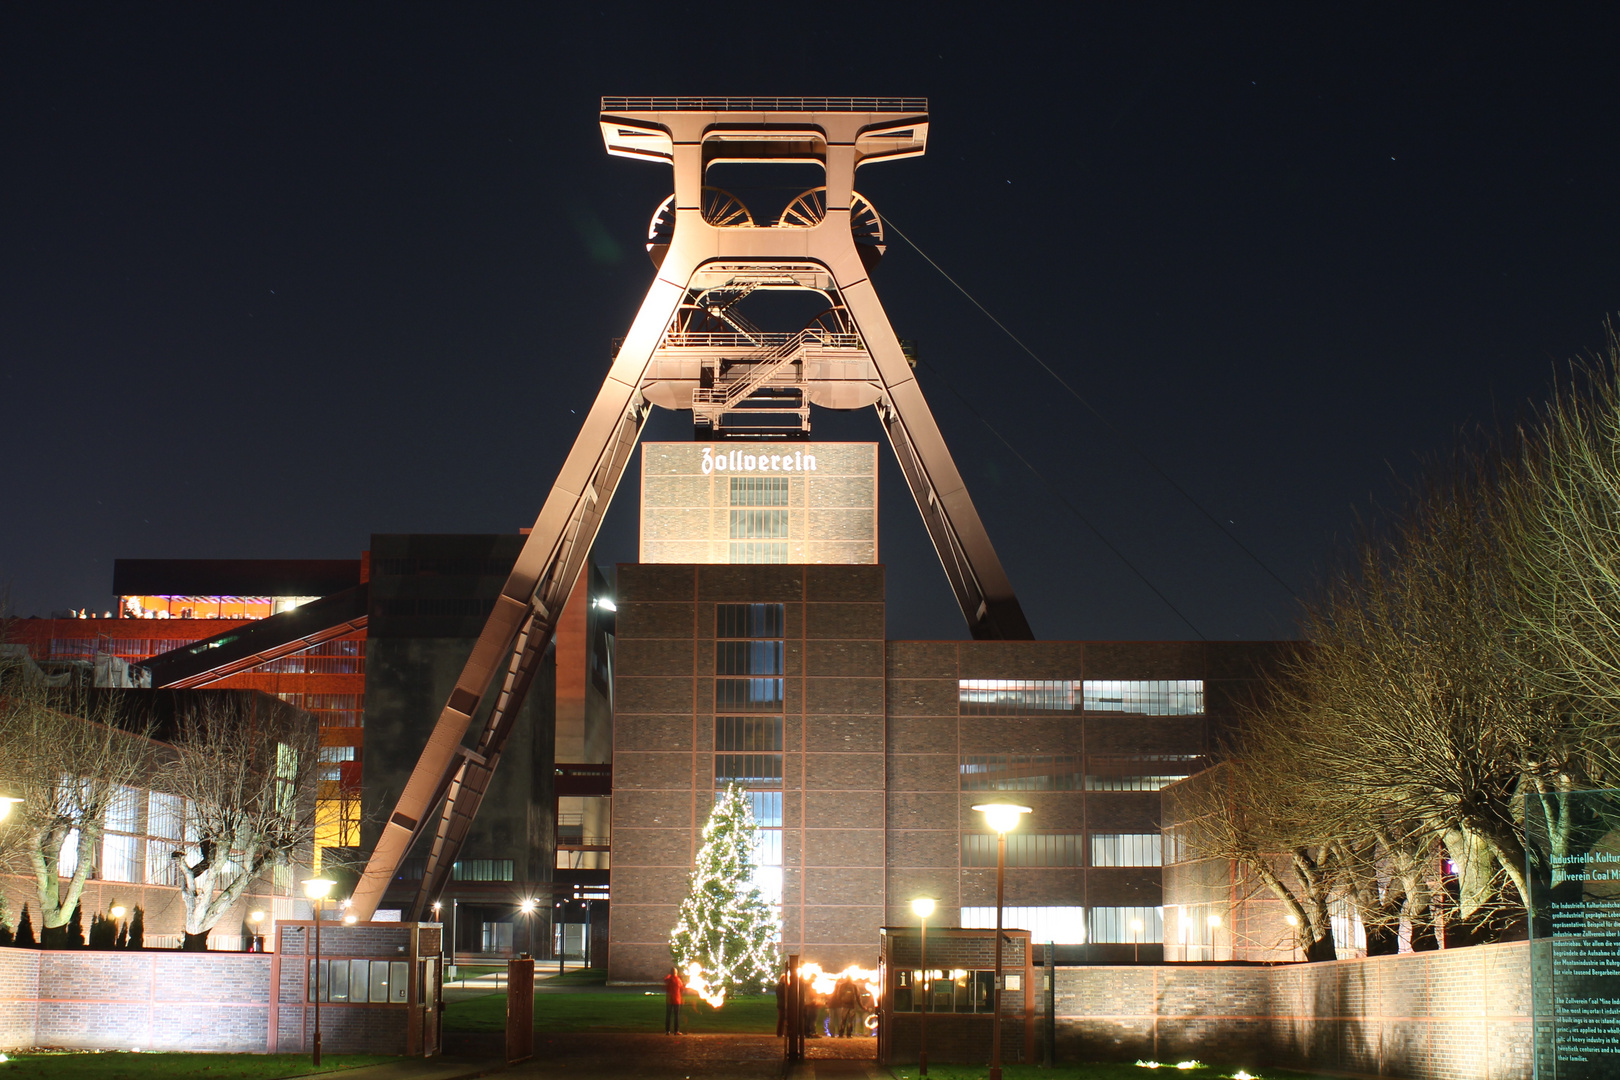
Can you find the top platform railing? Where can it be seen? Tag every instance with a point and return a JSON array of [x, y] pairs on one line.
[[765, 104]]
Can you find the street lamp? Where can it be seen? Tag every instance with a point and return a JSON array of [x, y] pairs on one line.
[[923, 906], [1213, 921], [1136, 941], [317, 889], [527, 908], [254, 919], [1003, 818], [6, 803]]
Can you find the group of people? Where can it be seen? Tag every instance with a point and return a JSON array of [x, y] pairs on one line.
[[840, 1014]]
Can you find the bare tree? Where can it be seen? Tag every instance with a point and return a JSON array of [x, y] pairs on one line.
[[246, 767], [63, 755], [1240, 812]]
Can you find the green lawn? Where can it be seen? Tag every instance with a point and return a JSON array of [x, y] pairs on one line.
[[1097, 1071], [118, 1065], [630, 1010], [577, 977]]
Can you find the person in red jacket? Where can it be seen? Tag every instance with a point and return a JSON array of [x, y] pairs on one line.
[[674, 990]]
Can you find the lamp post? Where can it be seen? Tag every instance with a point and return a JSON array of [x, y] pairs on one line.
[[1002, 817], [924, 907], [1213, 922], [317, 890], [1136, 941], [527, 908], [257, 943]]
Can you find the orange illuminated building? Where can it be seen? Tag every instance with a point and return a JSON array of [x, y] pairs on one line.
[[167, 604]]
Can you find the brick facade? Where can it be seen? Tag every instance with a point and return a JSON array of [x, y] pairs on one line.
[[875, 743]]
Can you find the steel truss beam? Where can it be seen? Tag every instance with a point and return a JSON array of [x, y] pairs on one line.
[[443, 793]]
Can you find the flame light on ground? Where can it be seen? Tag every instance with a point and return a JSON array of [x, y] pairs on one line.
[[822, 982]]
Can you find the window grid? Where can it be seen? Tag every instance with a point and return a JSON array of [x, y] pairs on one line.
[[1138, 772], [1025, 849], [759, 524], [1014, 697], [748, 620], [1020, 772], [755, 552], [748, 658], [748, 770], [1059, 925], [1114, 925], [748, 734], [759, 491], [748, 695], [1125, 849]]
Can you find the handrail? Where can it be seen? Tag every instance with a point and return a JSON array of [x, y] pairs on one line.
[[714, 340], [765, 104]]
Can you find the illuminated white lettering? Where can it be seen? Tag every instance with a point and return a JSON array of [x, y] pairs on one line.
[[810, 462], [774, 459], [748, 462], [798, 460], [708, 461]]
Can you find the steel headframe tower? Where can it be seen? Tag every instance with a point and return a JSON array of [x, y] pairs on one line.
[[690, 347]]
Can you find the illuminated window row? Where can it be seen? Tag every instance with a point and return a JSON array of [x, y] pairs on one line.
[[1014, 697], [1063, 772], [1076, 925], [1063, 849]]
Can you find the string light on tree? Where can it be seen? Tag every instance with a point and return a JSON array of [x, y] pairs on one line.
[[726, 930]]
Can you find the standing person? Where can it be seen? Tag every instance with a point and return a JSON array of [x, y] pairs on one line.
[[674, 992], [845, 1001]]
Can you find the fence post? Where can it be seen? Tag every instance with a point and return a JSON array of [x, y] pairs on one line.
[[519, 1009]]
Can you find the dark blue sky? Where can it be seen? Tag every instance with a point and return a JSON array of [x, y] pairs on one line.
[[273, 278]]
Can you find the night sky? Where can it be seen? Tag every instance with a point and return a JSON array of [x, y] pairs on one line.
[[274, 278]]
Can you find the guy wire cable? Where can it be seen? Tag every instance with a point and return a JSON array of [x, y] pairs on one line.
[[1213, 520], [1120, 555]]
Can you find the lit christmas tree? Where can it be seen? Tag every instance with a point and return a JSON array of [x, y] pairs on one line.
[[726, 928]]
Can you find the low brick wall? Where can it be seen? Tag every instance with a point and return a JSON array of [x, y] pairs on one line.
[[19, 997], [119, 1000], [1462, 1014], [216, 1001]]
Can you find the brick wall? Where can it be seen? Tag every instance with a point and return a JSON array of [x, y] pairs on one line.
[[19, 997], [119, 1000], [214, 1001], [1462, 1014]]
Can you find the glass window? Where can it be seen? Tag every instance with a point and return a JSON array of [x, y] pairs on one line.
[[1010, 697], [759, 524], [748, 620], [1024, 849], [748, 733], [379, 980], [748, 658], [1021, 772], [1059, 925], [339, 981], [1138, 772], [748, 695], [1125, 849], [1125, 925], [748, 770], [357, 980], [753, 552], [759, 491], [1013, 697], [399, 981], [1163, 698]]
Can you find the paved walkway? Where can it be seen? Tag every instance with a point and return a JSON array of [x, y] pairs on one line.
[[641, 1056]]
